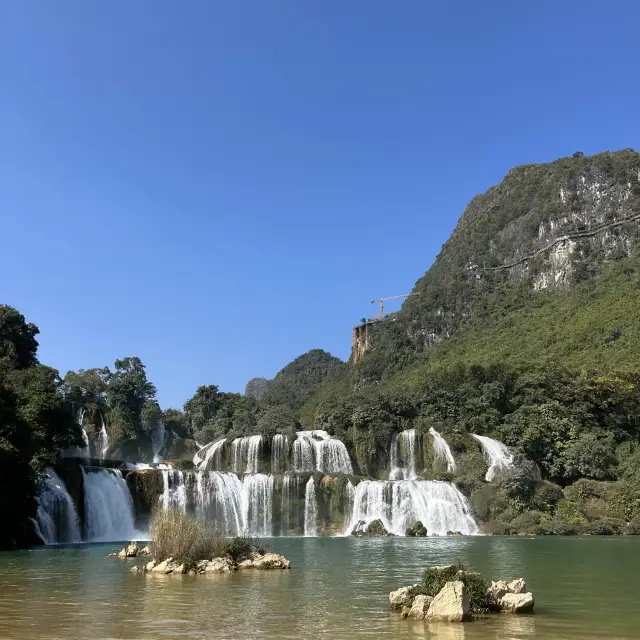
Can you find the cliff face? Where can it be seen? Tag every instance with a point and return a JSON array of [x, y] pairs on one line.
[[544, 228]]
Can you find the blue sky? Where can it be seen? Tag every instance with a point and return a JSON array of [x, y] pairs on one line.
[[218, 187]]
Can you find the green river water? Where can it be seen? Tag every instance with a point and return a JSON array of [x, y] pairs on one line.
[[337, 589]]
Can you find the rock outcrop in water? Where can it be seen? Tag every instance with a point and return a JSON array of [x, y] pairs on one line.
[[449, 593]]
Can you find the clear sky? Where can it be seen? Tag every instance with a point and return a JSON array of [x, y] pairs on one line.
[[218, 187]]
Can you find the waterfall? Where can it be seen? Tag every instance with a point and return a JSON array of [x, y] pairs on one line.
[[288, 493], [245, 452], [303, 454], [310, 509], [209, 457], [108, 506], [497, 455], [438, 505], [279, 445], [406, 443], [442, 451], [258, 504], [219, 499], [56, 518], [332, 457], [103, 439], [174, 493], [318, 451], [158, 441]]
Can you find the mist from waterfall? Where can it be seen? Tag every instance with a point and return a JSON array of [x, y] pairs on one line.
[[56, 518], [310, 509], [400, 504], [108, 506], [497, 455], [158, 442], [442, 451]]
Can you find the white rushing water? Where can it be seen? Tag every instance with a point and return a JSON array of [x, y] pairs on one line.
[[400, 504], [317, 451], [404, 445], [108, 506], [258, 504], [208, 457], [245, 453], [103, 439], [158, 441], [310, 508], [56, 518], [497, 454], [442, 451], [279, 451], [174, 494]]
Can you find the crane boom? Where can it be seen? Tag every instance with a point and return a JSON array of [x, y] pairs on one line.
[[381, 301]]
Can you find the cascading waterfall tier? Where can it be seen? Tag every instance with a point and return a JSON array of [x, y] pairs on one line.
[[108, 506], [318, 451], [56, 518], [404, 445], [245, 454], [174, 494], [258, 505], [497, 454], [279, 451], [400, 504], [208, 458], [310, 509], [442, 451]]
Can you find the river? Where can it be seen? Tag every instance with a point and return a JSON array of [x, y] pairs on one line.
[[337, 589]]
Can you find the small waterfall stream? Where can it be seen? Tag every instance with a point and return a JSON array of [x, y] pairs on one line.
[[208, 457], [442, 451], [103, 439], [279, 450], [245, 453], [497, 454], [310, 509], [56, 518], [318, 451], [158, 442], [405, 445]]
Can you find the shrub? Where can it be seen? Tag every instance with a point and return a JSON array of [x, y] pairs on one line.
[[436, 577], [527, 521], [546, 496], [570, 512], [187, 540], [558, 528]]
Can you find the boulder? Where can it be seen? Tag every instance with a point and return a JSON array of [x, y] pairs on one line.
[[402, 597], [418, 530], [517, 586], [420, 607], [374, 528], [150, 566], [219, 565], [166, 566], [271, 561], [517, 602], [246, 564], [145, 551], [131, 550], [496, 590], [451, 604], [135, 569]]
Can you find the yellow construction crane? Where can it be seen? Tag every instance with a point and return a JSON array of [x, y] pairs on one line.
[[381, 301]]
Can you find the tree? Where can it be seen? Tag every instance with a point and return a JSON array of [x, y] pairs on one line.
[[128, 392], [201, 409], [175, 420], [18, 344], [150, 415]]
